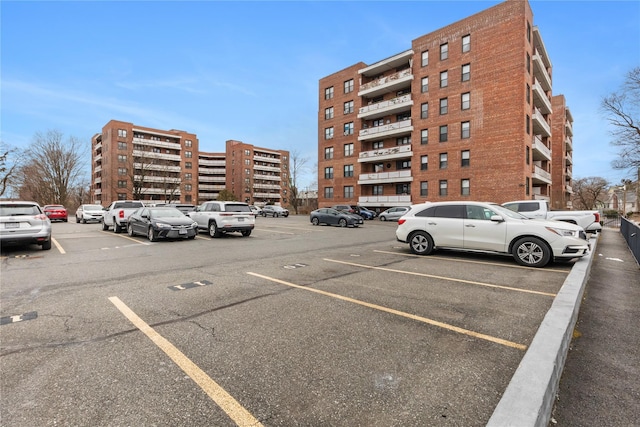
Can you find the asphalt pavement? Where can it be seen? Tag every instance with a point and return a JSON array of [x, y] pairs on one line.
[[600, 384]]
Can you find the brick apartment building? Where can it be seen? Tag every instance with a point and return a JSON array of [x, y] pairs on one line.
[[464, 113], [135, 162]]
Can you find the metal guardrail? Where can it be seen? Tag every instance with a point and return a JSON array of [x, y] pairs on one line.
[[631, 233], [612, 221]]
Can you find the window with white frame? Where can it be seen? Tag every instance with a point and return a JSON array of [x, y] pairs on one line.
[[378, 145], [424, 136], [443, 187], [348, 171], [328, 153], [424, 162], [348, 192], [444, 133], [424, 85], [465, 101], [444, 162], [444, 106], [122, 133], [122, 158], [328, 93], [188, 143], [348, 86], [424, 110], [425, 58], [348, 128], [466, 72], [444, 79], [466, 43], [424, 188], [465, 187], [348, 107], [377, 190], [328, 133], [348, 149], [328, 113], [465, 158], [444, 51], [465, 130], [122, 145]]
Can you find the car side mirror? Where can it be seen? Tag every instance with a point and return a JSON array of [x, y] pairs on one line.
[[497, 218]]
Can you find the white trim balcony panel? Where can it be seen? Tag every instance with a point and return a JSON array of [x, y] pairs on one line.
[[385, 177], [386, 108], [384, 131]]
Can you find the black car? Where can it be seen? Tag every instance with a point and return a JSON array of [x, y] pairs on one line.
[[332, 216], [161, 222]]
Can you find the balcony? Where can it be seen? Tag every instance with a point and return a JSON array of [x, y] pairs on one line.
[[568, 143], [211, 178], [540, 125], [391, 83], [568, 127], [540, 151], [152, 155], [389, 63], [568, 160], [266, 168], [210, 187], [540, 176], [161, 179], [97, 169], [154, 143], [541, 62], [385, 201], [540, 98], [212, 171], [385, 177], [398, 152], [154, 167], [173, 192], [568, 189], [267, 159], [385, 108], [267, 187], [267, 177], [207, 162], [381, 132], [267, 195]]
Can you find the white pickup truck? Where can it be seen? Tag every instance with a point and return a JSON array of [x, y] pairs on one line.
[[539, 209], [116, 215]]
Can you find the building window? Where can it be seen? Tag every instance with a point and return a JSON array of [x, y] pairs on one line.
[[247, 152], [403, 164], [328, 113], [444, 51], [528, 32], [528, 94], [328, 133], [526, 185], [328, 153], [443, 187], [122, 171], [348, 171], [424, 188], [377, 122], [466, 43], [527, 154], [328, 93], [377, 190], [465, 156], [528, 124], [425, 58], [348, 107], [444, 160], [348, 150], [528, 64], [465, 101], [444, 106], [247, 171], [403, 140], [188, 165], [247, 161], [188, 187], [424, 110], [348, 128], [328, 192], [348, 86], [424, 136], [122, 184], [122, 145], [378, 167], [188, 143], [464, 187], [188, 154], [378, 145], [465, 130], [444, 133], [403, 189], [122, 158], [348, 191], [328, 173], [122, 133], [122, 196], [424, 163], [466, 72], [187, 176], [444, 79], [425, 84]]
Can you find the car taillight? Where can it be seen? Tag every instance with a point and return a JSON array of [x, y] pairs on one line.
[[121, 214], [42, 217], [401, 221], [597, 215]]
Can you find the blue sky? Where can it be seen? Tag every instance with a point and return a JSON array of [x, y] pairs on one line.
[[249, 70]]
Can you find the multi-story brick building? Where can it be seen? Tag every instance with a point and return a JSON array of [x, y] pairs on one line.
[[561, 154], [464, 113], [135, 162]]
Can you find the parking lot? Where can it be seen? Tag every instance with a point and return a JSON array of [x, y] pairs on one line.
[[296, 325]]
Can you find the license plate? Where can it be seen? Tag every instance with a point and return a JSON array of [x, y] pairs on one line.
[[240, 219], [12, 225], [182, 231]]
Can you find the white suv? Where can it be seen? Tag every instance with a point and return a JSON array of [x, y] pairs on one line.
[[488, 227], [222, 217]]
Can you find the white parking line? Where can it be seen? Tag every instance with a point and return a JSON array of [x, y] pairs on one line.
[[399, 313], [451, 279], [224, 400], [55, 242], [126, 236]]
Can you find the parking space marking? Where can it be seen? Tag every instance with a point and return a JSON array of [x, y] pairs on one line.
[[55, 242], [551, 270], [399, 313], [224, 400], [126, 236], [18, 318], [450, 279], [279, 232]]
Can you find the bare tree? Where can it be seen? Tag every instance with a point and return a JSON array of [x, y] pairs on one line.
[[297, 165], [10, 161], [623, 111], [589, 193], [226, 195], [51, 168]]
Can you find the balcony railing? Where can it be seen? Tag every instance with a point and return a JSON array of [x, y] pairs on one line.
[[206, 162], [387, 83], [397, 200], [540, 151], [267, 159], [540, 98], [211, 187], [541, 175], [152, 155], [540, 71], [154, 143], [154, 167], [400, 151], [540, 125], [391, 106], [212, 171], [385, 177], [267, 195], [211, 178], [383, 131], [569, 127], [164, 179], [568, 143], [266, 168], [267, 177]]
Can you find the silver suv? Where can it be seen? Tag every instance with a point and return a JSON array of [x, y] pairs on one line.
[[274, 211], [23, 223], [222, 217]]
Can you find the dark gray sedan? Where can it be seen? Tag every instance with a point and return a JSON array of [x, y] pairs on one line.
[[161, 223], [332, 216]]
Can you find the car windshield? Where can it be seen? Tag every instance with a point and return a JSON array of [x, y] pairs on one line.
[[12, 210], [92, 208], [237, 208], [508, 212], [166, 213]]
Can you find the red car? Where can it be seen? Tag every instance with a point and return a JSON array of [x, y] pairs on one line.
[[56, 212]]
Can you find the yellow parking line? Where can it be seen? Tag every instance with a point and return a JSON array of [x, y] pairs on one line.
[[399, 313], [451, 279], [55, 242], [224, 400], [475, 262]]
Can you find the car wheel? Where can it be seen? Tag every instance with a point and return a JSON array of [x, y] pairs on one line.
[[46, 245], [246, 233], [84, 221], [77, 220], [342, 222], [531, 252], [151, 235], [383, 218], [421, 243], [116, 227], [315, 221], [105, 227], [130, 230], [191, 237], [213, 229], [276, 214]]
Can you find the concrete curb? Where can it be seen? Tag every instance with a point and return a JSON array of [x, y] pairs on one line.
[[530, 395]]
